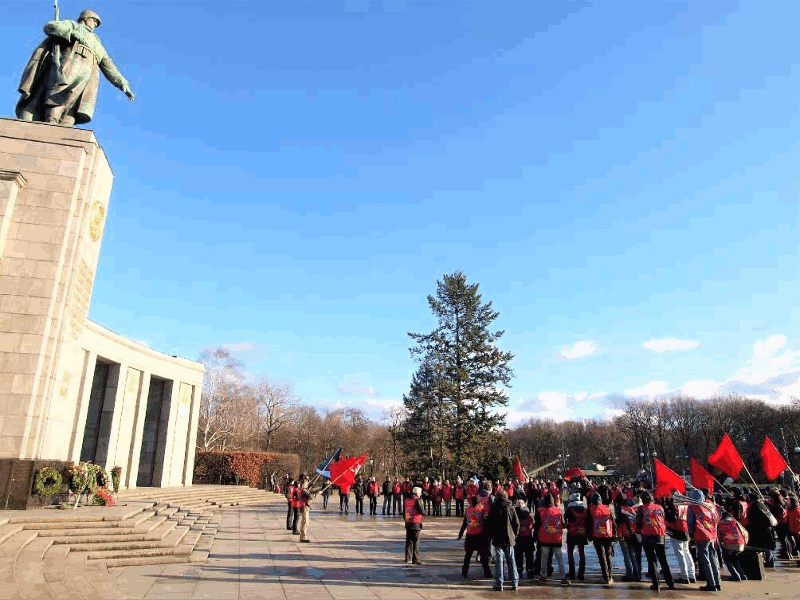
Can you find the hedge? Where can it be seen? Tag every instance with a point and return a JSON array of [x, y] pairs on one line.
[[252, 468]]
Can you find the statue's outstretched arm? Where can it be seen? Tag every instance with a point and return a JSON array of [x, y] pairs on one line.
[[62, 29], [111, 72]]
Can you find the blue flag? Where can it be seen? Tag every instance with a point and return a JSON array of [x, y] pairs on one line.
[[322, 468]]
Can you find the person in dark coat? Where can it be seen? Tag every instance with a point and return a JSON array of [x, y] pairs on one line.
[[502, 527], [759, 527], [358, 492]]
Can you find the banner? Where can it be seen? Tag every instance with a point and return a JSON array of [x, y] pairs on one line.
[[726, 458], [772, 462], [344, 471], [322, 468], [701, 479], [667, 481]]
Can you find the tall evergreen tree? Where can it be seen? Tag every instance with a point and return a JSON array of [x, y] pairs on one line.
[[462, 351], [427, 428]]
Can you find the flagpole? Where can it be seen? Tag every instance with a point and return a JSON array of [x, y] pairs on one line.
[[753, 480], [722, 486], [327, 464]]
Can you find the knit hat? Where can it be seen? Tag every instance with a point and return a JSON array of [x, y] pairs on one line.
[[696, 494]]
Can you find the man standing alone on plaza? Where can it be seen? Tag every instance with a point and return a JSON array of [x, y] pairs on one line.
[[503, 526], [412, 514]]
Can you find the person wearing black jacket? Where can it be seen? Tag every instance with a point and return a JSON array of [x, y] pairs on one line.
[[358, 492], [386, 492], [503, 526], [759, 526]]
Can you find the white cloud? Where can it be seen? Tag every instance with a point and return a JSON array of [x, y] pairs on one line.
[[579, 350], [338, 405], [669, 344], [385, 404], [552, 401], [347, 389], [239, 346], [654, 388], [581, 396], [701, 388], [767, 363]]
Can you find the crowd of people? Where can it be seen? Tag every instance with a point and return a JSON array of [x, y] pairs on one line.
[[523, 525]]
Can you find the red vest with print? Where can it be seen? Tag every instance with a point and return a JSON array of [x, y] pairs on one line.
[[705, 526], [485, 501], [396, 489], [510, 490], [407, 487], [412, 513], [458, 492], [602, 527], [653, 522], [552, 527], [681, 523], [297, 502], [475, 520], [437, 493], [344, 489], [793, 519], [626, 528], [729, 533], [526, 527], [576, 526], [372, 488], [447, 492], [472, 490], [289, 493]]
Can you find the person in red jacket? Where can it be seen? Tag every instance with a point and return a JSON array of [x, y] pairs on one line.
[[447, 496], [549, 525], [459, 493], [289, 495], [577, 536], [373, 491], [344, 498], [601, 531], [413, 514], [475, 526], [652, 526], [397, 497], [437, 495]]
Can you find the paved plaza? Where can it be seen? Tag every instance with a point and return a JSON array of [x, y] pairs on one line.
[[362, 557]]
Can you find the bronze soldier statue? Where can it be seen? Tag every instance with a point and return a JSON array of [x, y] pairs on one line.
[[59, 84]]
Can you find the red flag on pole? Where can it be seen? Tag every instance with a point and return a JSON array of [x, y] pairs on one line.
[[344, 471], [726, 458], [573, 472], [667, 481], [519, 473], [772, 461], [701, 479]]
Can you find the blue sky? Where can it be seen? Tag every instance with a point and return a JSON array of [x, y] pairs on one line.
[[294, 176]]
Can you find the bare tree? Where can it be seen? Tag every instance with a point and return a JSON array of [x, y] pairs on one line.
[[276, 406], [220, 417]]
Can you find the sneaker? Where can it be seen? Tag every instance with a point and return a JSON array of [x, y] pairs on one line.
[[565, 582]]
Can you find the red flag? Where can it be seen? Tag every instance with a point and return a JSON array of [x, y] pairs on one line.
[[518, 472], [667, 481], [726, 458], [701, 479], [344, 471], [772, 462], [573, 472]]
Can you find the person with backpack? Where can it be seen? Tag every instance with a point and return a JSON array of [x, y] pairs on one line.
[[676, 516], [733, 538], [703, 521], [652, 526], [503, 526], [476, 541], [601, 531], [549, 525], [577, 537], [628, 541], [413, 515]]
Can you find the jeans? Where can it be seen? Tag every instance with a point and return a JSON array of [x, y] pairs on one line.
[[571, 559], [707, 558], [387, 504], [731, 558], [685, 560], [289, 518], [447, 505], [360, 505], [769, 559], [397, 504], [632, 555], [325, 501], [504, 554], [603, 548], [654, 551], [373, 505], [547, 552], [344, 504]]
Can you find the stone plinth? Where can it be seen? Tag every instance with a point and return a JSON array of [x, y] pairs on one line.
[[55, 184]]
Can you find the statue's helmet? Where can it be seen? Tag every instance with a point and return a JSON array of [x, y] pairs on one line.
[[89, 14]]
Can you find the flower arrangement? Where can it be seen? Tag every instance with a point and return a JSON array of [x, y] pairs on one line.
[[116, 475], [102, 497], [77, 478]]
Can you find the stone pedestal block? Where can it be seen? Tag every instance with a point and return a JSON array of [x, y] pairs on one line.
[[55, 184]]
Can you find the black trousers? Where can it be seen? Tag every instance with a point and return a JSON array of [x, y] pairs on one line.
[[360, 505], [571, 559], [412, 544], [603, 548], [460, 508], [397, 504], [484, 556], [523, 551], [653, 551], [289, 515], [373, 505], [295, 519]]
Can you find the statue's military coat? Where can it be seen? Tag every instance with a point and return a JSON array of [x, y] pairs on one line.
[[64, 71]]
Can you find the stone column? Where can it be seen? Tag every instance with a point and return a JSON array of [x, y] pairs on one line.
[[84, 395], [132, 473], [191, 444]]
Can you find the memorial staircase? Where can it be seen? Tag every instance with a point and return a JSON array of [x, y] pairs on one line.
[[46, 548]]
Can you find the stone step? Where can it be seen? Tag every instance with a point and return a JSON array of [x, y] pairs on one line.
[[174, 537], [6, 531], [199, 556], [118, 545], [54, 563], [162, 530], [137, 553], [74, 542], [60, 534], [146, 560], [3, 521], [13, 546], [28, 569]]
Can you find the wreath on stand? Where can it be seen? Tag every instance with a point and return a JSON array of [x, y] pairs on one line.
[[48, 482]]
